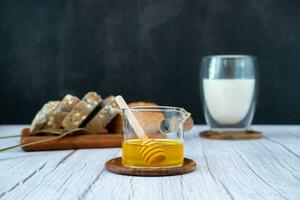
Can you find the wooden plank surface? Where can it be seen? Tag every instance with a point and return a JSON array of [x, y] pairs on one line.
[[268, 168]]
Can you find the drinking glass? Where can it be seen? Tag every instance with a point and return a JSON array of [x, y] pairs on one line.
[[228, 88]]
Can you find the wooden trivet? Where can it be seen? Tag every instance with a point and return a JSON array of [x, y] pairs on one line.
[[115, 165], [79, 141], [228, 135]]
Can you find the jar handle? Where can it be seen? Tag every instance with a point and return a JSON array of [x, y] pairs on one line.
[[187, 121]]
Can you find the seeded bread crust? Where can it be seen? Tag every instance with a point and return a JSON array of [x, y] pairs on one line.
[[81, 110], [105, 115]]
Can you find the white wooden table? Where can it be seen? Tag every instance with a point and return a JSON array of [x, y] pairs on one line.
[[268, 168]]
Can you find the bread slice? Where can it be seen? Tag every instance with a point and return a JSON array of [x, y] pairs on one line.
[[116, 125], [64, 108], [107, 111], [52, 113], [81, 111], [40, 121], [68, 103]]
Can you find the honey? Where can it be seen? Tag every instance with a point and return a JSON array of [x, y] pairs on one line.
[[173, 150]]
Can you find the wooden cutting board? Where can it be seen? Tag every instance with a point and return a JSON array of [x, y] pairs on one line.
[[80, 141]]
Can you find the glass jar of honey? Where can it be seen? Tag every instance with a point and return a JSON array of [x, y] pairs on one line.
[[161, 144]]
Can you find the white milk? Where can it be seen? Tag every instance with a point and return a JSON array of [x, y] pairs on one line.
[[228, 100]]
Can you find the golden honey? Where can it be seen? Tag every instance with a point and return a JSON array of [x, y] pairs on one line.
[[173, 151]]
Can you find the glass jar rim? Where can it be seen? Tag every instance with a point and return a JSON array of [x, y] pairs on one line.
[[230, 56], [155, 109]]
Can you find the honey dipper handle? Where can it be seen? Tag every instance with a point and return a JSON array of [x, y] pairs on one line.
[[139, 131]]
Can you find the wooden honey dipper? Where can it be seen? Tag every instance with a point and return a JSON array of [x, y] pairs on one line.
[[151, 151]]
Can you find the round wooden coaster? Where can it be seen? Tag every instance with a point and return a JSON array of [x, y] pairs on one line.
[[227, 135], [115, 165]]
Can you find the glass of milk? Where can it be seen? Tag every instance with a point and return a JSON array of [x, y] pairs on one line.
[[228, 90]]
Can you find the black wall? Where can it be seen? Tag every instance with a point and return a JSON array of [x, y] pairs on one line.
[[144, 50]]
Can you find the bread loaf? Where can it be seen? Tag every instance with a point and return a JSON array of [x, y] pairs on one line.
[[149, 120], [188, 125], [81, 111]]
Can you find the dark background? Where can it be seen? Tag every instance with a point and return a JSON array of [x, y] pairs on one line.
[[144, 50]]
